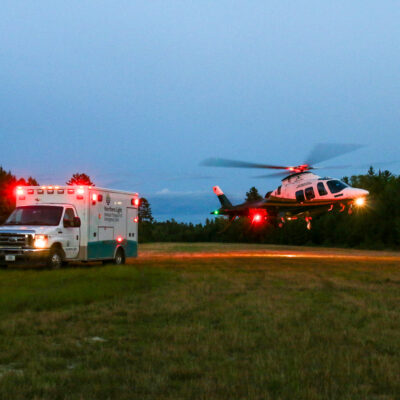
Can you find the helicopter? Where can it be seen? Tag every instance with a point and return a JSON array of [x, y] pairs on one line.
[[302, 193]]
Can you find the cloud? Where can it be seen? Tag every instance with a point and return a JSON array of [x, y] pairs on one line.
[[168, 192]]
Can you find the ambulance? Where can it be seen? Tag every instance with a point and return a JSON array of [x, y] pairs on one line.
[[54, 225]]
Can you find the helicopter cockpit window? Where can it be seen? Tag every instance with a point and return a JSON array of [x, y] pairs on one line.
[[336, 186], [321, 189], [300, 196], [310, 193], [278, 191]]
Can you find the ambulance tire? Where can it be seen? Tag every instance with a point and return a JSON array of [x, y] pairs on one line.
[[119, 257], [55, 258]]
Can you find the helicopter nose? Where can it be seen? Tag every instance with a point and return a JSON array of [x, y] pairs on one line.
[[355, 192], [359, 196]]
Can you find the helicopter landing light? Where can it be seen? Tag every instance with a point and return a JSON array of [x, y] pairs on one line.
[[360, 202]]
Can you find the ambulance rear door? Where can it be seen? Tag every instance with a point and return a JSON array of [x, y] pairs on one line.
[[131, 231]]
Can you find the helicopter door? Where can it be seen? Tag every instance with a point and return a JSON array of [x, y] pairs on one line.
[[321, 189], [300, 196], [309, 193]]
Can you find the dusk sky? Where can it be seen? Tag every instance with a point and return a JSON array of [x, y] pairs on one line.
[[137, 93]]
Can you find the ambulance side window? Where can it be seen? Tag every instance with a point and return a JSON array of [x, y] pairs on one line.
[[300, 196], [310, 193], [69, 215], [321, 189]]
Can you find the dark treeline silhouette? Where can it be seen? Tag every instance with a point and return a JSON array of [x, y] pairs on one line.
[[8, 184], [375, 226]]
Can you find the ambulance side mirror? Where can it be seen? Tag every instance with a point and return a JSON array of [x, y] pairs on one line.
[[77, 222], [68, 223]]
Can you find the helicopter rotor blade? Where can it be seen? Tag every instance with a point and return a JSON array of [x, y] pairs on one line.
[[222, 162], [273, 175], [359, 166], [327, 151]]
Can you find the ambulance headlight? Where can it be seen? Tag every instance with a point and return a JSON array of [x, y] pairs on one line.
[[40, 241]]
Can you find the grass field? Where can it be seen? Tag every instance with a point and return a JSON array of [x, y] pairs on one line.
[[205, 321]]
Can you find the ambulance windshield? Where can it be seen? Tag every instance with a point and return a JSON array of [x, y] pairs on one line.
[[35, 215]]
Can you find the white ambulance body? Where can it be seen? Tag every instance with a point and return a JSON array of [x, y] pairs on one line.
[[57, 224]]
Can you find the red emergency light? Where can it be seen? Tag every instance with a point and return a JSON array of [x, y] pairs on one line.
[[258, 216]]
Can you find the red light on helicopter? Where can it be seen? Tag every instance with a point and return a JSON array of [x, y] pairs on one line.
[[257, 218]]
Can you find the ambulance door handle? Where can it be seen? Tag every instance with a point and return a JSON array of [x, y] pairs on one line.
[[60, 232]]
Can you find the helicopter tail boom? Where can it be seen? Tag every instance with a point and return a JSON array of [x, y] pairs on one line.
[[221, 197]]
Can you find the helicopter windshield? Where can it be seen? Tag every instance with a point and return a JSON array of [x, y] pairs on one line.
[[336, 186]]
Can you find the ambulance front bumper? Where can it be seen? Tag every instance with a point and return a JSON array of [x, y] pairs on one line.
[[12, 256]]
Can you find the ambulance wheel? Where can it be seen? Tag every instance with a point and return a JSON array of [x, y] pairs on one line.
[[55, 259], [119, 257]]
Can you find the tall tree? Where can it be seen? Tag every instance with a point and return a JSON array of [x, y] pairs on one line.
[[80, 179], [253, 194], [145, 214], [146, 225], [8, 184]]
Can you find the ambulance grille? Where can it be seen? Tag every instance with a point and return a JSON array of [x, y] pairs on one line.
[[15, 240]]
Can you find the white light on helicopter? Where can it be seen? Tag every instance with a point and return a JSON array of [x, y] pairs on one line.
[[360, 201]]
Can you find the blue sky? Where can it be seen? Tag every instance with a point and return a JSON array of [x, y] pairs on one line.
[[137, 93]]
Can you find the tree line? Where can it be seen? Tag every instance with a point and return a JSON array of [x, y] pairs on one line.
[[9, 183], [376, 226]]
